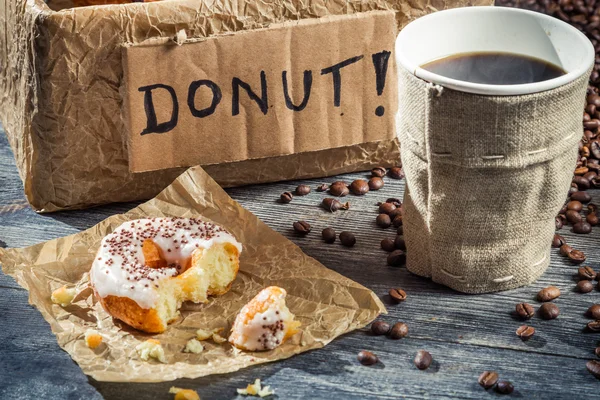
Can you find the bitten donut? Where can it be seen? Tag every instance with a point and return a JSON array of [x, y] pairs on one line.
[[147, 268], [264, 323]]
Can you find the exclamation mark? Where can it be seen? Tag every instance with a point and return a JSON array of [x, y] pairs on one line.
[[380, 62]]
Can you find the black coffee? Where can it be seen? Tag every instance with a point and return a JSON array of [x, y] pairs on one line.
[[494, 68]]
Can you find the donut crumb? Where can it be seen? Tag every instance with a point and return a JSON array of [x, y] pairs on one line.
[[151, 348], [218, 338], [63, 296], [92, 338], [184, 394], [255, 389], [205, 334], [193, 346]]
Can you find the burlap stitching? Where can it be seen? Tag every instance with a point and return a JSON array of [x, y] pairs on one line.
[[446, 245]]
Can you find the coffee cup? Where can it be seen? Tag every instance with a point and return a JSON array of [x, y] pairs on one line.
[[487, 166], [494, 29]]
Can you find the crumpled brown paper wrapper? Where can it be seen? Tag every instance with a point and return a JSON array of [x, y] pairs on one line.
[[327, 304]]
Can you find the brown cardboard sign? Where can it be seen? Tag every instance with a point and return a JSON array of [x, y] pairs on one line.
[[290, 88]]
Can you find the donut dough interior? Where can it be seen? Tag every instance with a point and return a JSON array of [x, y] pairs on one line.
[[209, 271]]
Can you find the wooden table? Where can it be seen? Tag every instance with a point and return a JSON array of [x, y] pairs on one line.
[[466, 334]]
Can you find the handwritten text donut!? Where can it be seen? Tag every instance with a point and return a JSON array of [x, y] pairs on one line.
[[310, 86]]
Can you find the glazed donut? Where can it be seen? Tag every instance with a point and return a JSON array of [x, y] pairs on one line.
[[146, 268], [264, 323]]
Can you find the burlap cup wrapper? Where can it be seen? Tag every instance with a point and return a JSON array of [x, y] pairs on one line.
[[485, 175], [326, 303]]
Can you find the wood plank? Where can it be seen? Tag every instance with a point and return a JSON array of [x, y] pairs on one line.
[[317, 373], [466, 334]]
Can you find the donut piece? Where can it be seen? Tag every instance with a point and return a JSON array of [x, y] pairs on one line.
[[145, 269], [264, 323]]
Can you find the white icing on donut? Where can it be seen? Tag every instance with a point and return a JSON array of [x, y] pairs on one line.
[[266, 330], [119, 269]]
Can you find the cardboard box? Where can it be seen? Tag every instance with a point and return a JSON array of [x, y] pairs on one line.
[[265, 91]]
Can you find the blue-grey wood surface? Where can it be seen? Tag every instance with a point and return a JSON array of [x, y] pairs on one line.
[[466, 334]]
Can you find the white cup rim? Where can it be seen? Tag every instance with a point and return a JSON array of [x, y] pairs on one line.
[[485, 89]]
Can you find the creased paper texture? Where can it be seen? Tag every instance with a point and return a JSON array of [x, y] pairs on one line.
[[61, 101], [211, 101], [326, 303]]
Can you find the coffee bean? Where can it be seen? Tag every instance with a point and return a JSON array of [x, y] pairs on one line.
[[383, 221], [573, 216], [378, 172], [396, 173], [387, 244], [597, 351], [386, 208], [359, 187], [399, 243], [396, 213], [398, 295], [302, 227], [339, 189], [302, 190], [595, 149], [549, 310], [328, 235], [558, 240], [592, 219], [583, 197], [400, 230], [398, 331], [563, 209], [488, 379], [572, 190], [347, 239], [574, 205], [586, 273], [563, 219], [576, 256], [594, 311], [565, 249], [594, 326], [332, 205], [558, 224], [375, 183], [398, 221], [582, 228], [585, 286], [396, 258], [395, 201], [422, 359], [581, 183], [367, 358], [549, 293], [593, 367], [525, 332], [286, 197], [592, 208], [524, 310], [504, 387], [594, 99], [322, 187], [380, 328]]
